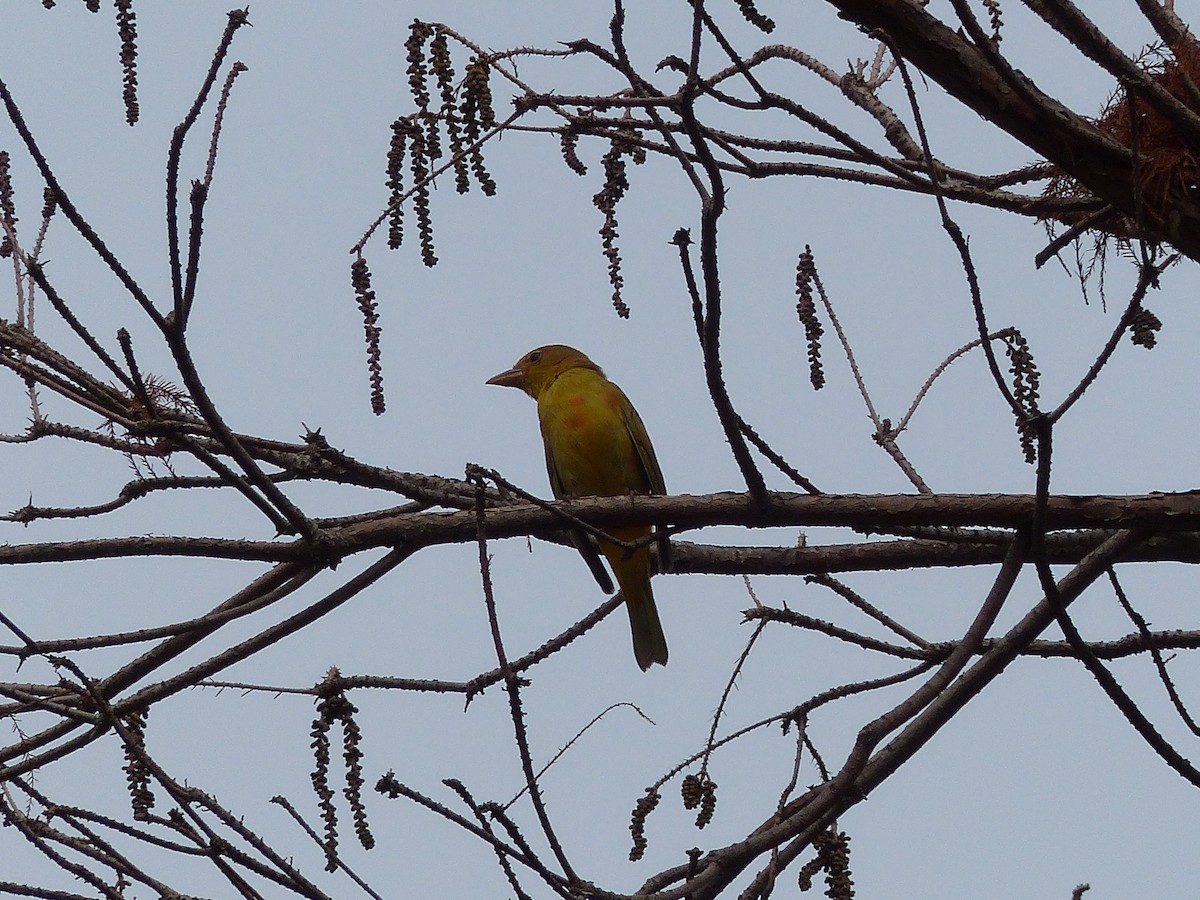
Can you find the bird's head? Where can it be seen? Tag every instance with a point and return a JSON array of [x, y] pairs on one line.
[[536, 369]]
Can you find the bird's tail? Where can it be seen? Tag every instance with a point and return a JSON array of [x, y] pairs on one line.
[[649, 642], [633, 577]]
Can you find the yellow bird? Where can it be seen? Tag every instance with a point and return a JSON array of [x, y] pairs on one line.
[[596, 445]]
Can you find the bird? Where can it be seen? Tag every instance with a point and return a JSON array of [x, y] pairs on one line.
[[596, 445]]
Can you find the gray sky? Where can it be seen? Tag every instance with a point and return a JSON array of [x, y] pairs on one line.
[[1038, 785]]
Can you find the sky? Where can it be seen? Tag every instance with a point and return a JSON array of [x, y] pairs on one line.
[[1037, 786]]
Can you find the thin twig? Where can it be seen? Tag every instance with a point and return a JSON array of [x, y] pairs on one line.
[[513, 685]]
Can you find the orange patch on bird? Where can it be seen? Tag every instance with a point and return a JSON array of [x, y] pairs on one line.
[[577, 416]]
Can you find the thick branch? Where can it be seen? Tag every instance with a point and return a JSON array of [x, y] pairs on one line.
[[1175, 514], [1011, 101]]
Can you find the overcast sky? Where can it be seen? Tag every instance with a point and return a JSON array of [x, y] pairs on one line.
[[1037, 786]]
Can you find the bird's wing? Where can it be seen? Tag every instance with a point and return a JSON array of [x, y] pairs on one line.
[[650, 468], [645, 450], [556, 484], [590, 551]]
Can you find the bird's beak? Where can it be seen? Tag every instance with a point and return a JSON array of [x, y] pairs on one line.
[[512, 378]]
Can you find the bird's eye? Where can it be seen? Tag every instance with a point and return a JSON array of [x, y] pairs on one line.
[[535, 355]]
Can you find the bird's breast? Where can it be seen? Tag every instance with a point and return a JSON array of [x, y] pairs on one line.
[[588, 440]]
